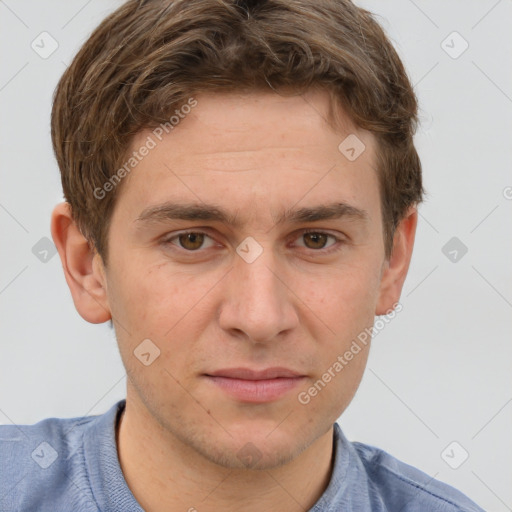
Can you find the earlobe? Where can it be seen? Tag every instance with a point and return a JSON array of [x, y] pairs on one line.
[[83, 267], [395, 270]]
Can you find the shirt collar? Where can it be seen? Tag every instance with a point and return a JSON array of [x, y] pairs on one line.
[[112, 493]]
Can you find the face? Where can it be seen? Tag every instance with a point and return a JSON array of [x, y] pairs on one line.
[[249, 304]]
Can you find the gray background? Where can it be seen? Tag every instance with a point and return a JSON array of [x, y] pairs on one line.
[[438, 373]]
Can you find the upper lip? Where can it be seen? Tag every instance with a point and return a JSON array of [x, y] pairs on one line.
[[249, 374]]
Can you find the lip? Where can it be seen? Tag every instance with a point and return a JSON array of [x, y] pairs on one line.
[[249, 374], [255, 386]]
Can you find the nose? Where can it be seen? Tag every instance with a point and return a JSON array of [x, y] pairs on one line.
[[258, 301]]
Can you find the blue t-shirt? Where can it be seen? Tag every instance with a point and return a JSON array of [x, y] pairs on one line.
[[71, 465]]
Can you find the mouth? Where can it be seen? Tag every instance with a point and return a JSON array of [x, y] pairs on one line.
[[255, 386]]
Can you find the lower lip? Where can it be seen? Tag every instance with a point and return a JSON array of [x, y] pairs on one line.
[[256, 391]]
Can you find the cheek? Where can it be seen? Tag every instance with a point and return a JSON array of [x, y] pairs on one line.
[[347, 307], [157, 298], [171, 308], [345, 299]]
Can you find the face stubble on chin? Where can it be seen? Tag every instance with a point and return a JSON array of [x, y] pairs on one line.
[[293, 306]]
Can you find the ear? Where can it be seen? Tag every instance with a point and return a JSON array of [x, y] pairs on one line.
[[82, 265], [395, 269]]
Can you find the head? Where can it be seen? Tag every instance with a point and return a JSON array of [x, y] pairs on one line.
[[279, 135]]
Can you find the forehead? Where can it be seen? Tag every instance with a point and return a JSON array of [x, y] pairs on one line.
[[262, 121], [253, 151]]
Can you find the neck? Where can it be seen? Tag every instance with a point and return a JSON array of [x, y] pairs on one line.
[[163, 474]]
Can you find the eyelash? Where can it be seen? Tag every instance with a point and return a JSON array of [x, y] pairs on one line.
[[339, 242]]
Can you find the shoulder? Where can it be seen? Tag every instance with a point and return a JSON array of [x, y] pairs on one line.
[[404, 487], [45, 459]]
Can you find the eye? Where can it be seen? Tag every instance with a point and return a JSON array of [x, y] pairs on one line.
[[194, 241], [190, 240], [317, 240]]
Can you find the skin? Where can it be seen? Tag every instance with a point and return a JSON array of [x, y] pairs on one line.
[[296, 306]]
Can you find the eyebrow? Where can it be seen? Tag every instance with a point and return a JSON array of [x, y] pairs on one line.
[[184, 211]]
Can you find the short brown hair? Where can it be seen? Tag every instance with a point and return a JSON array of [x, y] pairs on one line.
[[150, 56]]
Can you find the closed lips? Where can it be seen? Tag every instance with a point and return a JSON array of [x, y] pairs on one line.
[[255, 386], [249, 374]]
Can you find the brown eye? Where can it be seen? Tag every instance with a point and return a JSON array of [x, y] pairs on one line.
[[318, 242], [191, 241], [315, 240]]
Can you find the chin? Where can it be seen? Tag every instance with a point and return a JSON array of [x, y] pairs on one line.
[[254, 448], [251, 456]]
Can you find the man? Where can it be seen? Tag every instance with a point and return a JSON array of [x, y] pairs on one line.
[[241, 188]]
